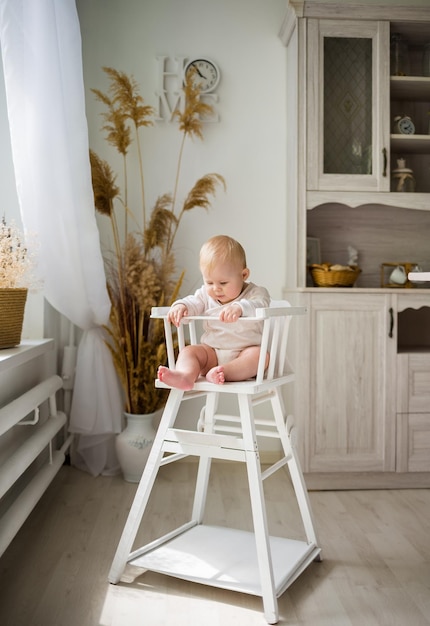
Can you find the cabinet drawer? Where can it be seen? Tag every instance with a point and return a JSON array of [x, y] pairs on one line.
[[413, 383], [413, 442]]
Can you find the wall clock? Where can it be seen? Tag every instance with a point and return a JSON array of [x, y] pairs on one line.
[[403, 125], [206, 74]]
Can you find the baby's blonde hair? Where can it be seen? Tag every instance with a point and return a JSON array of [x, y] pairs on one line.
[[221, 249]]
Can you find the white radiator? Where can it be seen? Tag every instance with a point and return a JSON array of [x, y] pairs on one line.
[[17, 411]]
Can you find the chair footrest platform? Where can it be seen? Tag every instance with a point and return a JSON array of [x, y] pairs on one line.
[[226, 558]]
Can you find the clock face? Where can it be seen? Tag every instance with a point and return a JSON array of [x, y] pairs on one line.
[[406, 126], [206, 74]]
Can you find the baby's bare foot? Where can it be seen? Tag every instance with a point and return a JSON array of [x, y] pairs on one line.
[[174, 378], [216, 375]]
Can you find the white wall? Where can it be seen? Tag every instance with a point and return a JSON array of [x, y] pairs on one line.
[[247, 146]]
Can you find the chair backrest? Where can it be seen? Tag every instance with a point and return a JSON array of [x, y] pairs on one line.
[[276, 323]]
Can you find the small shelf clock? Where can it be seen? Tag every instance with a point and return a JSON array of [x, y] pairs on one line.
[[403, 125]]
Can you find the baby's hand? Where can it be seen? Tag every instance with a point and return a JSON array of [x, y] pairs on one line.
[[176, 313], [230, 313]]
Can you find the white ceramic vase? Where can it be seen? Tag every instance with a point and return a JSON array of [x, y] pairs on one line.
[[134, 444]]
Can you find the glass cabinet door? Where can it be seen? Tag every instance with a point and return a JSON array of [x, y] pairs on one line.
[[348, 96]]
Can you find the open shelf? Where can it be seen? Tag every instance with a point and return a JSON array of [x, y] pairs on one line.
[[410, 144], [413, 330], [410, 88]]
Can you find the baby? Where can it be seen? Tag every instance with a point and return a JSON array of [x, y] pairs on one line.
[[227, 352]]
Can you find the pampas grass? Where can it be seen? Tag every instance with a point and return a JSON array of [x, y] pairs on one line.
[[141, 269]]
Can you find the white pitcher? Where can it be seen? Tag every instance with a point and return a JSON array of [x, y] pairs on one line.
[[398, 275]]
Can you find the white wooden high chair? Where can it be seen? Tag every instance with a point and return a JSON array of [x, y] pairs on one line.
[[249, 562]]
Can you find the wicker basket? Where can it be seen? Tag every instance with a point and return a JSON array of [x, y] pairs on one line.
[[12, 305], [323, 276]]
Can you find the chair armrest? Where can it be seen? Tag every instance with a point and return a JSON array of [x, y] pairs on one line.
[[279, 311], [160, 312]]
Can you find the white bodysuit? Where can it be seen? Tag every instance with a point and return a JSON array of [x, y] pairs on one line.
[[232, 336]]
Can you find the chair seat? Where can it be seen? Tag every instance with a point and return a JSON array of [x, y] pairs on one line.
[[249, 387]]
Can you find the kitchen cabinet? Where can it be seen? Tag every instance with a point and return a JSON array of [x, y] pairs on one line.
[[356, 428], [348, 100], [353, 100], [362, 398], [341, 104], [346, 384]]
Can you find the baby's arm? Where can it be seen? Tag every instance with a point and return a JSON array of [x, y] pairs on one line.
[[255, 298], [176, 313]]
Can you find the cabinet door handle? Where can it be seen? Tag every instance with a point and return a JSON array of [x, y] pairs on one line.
[[384, 154], [390, 334]]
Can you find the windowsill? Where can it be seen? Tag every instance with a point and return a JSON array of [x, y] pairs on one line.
[[27, 350]]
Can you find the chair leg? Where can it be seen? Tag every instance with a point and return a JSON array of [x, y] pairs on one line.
[[302, 498], [205, 462], [258, 507], [286, 434], [145, 486]]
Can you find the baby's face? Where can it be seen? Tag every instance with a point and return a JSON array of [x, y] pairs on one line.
[[224, 283]]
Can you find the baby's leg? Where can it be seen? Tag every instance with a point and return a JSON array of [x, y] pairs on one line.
[[242, 367], [192, 360]]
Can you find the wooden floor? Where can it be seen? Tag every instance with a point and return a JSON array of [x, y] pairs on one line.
[[376, 550]]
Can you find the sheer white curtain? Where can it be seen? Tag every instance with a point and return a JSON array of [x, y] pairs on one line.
[[41, 52]]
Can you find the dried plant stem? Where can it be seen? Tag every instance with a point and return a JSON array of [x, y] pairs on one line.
[[142, 178], [124, 167], [171, 239], [118, 253], [116, 237], [178, 171]]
